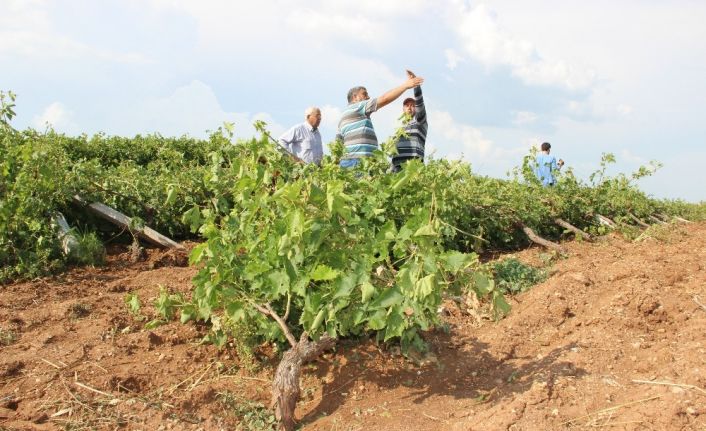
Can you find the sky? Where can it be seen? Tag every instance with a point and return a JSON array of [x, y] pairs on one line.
[[501, 76]]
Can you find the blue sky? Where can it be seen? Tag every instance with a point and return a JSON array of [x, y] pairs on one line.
[[625, 77]]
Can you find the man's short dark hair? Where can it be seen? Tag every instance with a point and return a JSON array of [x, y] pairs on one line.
[[409, 100], [353, 91], [546, 146]]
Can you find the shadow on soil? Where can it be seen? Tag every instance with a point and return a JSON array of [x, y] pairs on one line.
[[464, 370]]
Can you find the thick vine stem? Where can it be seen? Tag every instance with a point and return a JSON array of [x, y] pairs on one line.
[[677, 218], [532, 235], [285, 386], [606, 221], [656, 220], [566, 225], [638, 221], [268, 311]]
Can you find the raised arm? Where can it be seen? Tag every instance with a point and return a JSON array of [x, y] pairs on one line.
[[396, 92], [421, 112]]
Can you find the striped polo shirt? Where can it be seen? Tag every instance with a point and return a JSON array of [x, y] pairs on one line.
[[356, 129], [412, 146]]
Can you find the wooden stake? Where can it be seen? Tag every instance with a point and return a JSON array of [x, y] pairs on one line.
[[566, 225], [124, 221]]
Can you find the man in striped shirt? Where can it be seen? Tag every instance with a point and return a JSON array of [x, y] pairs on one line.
[[356, 129], [411, 146]]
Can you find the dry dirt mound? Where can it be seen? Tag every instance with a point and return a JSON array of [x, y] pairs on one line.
[[615, 339]]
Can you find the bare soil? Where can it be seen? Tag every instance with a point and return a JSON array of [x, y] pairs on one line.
[[614, 339]]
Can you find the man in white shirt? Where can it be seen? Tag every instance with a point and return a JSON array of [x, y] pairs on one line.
[[304, 140]]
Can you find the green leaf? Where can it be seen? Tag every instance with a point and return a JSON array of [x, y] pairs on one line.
[[133, 303], [235, 311], [154, 323], [455, 261], [426, 230], [197, 253], [500, 306], [171, 195], [483, 284], [317, 320], [394, 326], [387, 298], [345, 286], [368, 291], [425, 286], [255, 268], [279, 280], [164, 304], [323, 273], [377, 321], [187, 314]]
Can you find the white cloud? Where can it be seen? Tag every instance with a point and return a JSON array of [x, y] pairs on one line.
[[452, 58], [461, 139], [57, 116], [223, 22], [597, 107], [327, 26], [192, 109], [367, 21], [53, 46], [17, 13], [483, 39], [27, 31], [628, 156], [522, 118], [330, 115], [394, 8], [624, 109]]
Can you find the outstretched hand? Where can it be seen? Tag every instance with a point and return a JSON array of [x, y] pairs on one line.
[[410, 74], [413, 81], [560, 163]]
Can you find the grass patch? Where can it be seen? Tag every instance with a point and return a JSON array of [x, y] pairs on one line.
[[513, 276], [252, 416], [7, 336], [88, 251]]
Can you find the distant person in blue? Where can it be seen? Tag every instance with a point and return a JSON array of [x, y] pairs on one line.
[[547, 165]]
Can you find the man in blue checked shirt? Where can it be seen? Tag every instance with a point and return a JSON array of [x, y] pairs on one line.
[[304, 140]]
